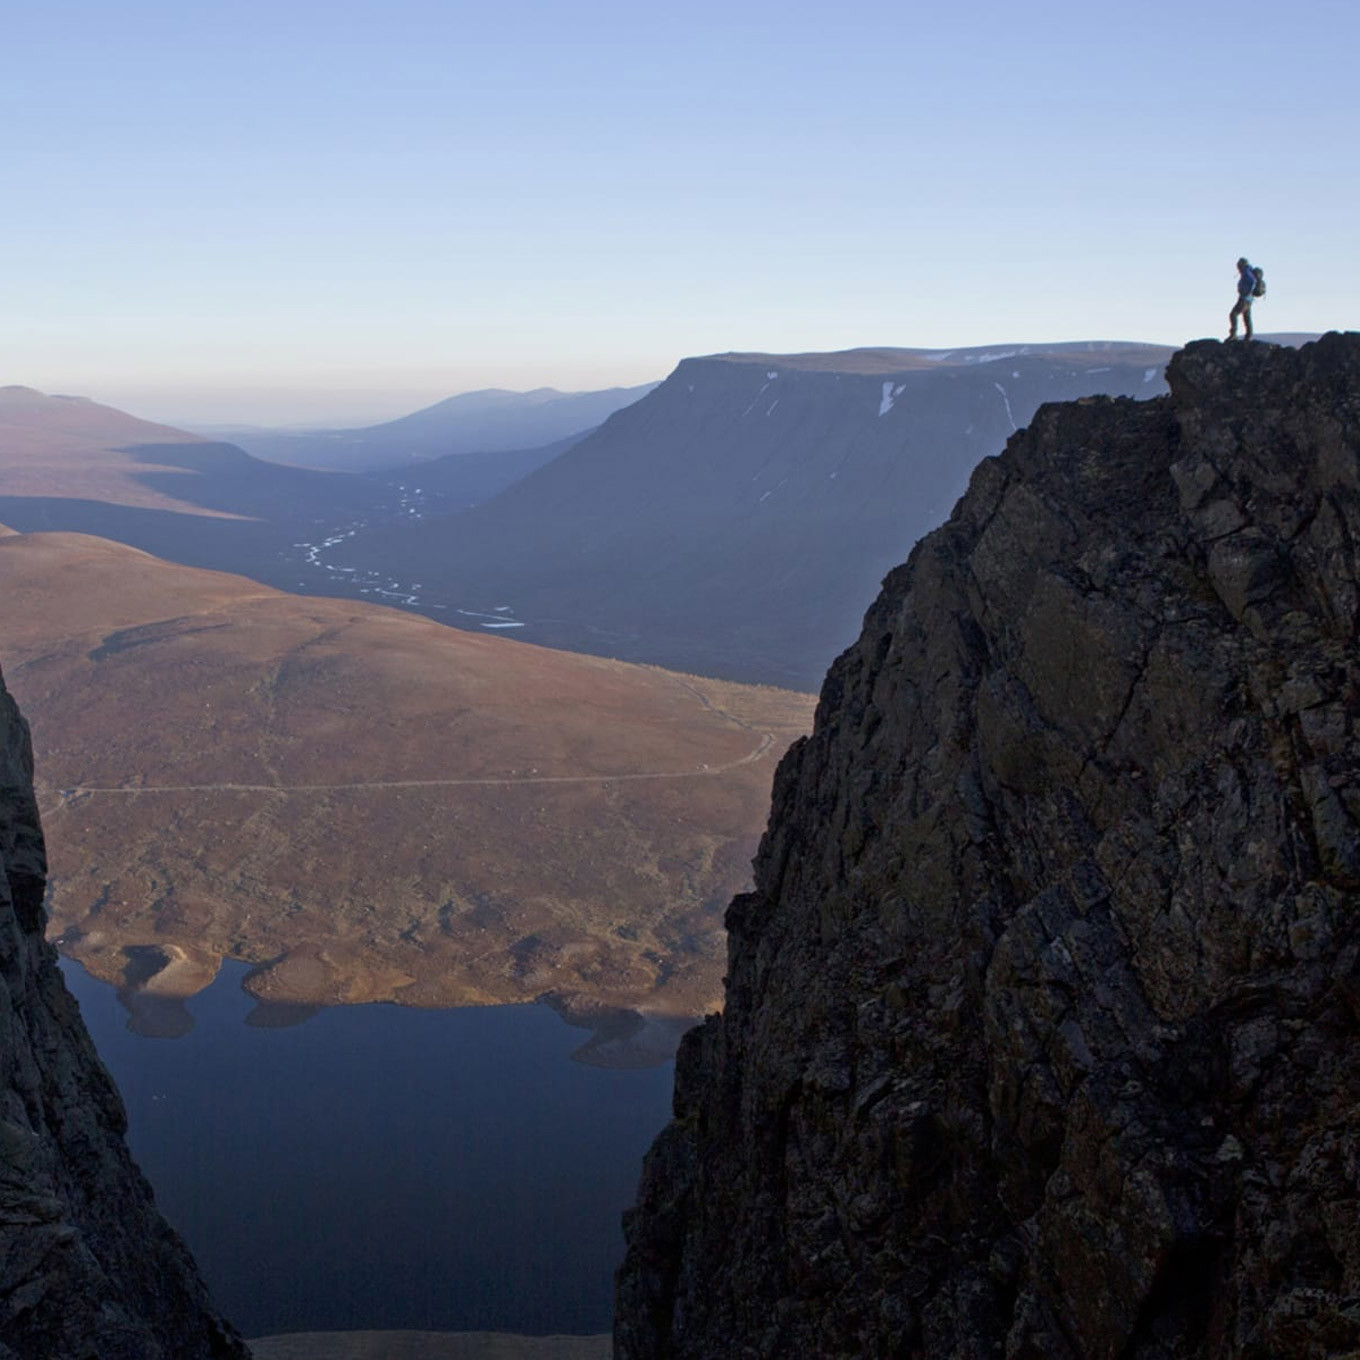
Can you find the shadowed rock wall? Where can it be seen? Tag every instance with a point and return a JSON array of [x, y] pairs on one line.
[[88, 1269], [1041, 1025]]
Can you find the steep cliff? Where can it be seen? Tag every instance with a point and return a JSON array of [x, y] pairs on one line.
[[88, 1268], [1041, 1024]]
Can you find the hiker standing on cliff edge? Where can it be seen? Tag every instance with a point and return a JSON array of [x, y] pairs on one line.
[[1250, 285]]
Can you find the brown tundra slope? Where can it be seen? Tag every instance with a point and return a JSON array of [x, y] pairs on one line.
[[370, 806], [76, 448], [1042, 1032]]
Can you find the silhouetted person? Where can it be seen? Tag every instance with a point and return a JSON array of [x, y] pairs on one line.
[[1246, 290]]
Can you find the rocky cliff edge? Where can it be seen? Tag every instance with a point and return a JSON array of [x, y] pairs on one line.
[[1041, 1024], [88, 1268]]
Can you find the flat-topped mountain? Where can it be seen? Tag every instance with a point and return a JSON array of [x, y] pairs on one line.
[[369, 806], [1097, 356], [484, 422], [735, 520], [1042, 1025]]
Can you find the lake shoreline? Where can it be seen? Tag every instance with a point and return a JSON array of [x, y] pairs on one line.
[[384, 1168]]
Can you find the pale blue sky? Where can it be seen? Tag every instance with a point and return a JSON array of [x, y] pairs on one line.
[[270, 211]]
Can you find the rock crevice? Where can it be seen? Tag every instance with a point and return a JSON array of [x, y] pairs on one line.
[[88, 1268]]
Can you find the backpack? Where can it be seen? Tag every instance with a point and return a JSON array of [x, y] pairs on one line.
[[1260, 289]]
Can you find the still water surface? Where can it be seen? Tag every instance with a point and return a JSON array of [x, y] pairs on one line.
[[381, 1167]]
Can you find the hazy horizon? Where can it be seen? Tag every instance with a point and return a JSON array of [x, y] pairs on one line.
[[291, 215], [224, 408], [305, 407], [319, 407]]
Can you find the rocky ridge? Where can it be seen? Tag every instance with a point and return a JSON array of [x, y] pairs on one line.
[[1041, 1026], [88, 1268]]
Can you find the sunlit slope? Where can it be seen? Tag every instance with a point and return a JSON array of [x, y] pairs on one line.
[[74, 448], [369, 805]]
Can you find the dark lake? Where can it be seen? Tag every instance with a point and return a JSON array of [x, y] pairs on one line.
[[381, 1167]]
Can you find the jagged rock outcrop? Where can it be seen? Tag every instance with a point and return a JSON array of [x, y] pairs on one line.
[[1041, 1025], [88, 1269]]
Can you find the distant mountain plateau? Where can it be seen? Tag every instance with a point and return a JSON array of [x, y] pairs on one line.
[[737, 520]]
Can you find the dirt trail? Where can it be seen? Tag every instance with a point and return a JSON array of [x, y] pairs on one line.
[[71, 793]]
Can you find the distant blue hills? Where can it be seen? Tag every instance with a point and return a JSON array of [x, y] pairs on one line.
[[488, 421]]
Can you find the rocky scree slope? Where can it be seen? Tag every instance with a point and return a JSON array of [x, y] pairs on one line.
[[1041, 1024], [88, 1268]]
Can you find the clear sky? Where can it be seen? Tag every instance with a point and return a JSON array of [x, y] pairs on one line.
[[281, 210]]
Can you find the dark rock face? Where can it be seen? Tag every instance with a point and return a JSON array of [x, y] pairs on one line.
[[1041, 1029], [88, 1268]]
